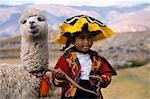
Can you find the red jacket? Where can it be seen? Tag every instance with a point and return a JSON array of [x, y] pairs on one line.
[[70, 65]]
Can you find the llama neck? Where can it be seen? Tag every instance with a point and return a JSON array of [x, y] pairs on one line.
[[34, 55]]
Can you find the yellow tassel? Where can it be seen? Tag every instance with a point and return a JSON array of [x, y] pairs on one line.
[[73, 91]]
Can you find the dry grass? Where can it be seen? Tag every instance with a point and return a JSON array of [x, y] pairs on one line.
[[10, 61], [52, 62], [131, 83]]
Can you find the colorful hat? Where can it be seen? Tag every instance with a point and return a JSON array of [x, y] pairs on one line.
[[74, 24]]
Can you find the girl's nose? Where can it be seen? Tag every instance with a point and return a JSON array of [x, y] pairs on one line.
[[85, 40]]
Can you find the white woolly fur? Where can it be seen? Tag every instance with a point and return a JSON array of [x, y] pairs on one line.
[[20, 81]]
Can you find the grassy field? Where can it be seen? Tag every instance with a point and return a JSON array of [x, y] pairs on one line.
[[131, 83]]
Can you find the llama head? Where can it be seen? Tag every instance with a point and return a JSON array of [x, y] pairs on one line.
[[33, 24]]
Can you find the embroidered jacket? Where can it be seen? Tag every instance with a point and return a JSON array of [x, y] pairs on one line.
[[69, 63]]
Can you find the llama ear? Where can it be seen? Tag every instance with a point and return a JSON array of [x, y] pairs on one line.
[[23, 21]]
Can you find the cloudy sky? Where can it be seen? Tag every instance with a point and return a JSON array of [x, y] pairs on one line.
[[77, 2]]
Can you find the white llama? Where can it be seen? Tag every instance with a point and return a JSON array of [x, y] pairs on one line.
[[22, 81]]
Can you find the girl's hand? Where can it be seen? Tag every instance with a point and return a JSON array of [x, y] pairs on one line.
[[48, 74], [59, 74]]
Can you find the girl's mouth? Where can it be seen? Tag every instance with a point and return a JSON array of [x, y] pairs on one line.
[[85, 46]]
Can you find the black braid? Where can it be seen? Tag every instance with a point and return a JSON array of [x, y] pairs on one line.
[[66, 46], [68, 35]]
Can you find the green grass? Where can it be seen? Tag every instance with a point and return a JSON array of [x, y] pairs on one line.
[[132, 83]]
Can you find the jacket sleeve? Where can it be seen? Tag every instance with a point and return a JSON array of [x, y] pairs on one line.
[[63, 65], [106, 73]]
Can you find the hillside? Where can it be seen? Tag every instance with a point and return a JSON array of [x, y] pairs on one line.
[[121, 50], [127, 49], [133, 83]]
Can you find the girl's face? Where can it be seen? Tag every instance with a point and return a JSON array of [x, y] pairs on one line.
[[83, 42]]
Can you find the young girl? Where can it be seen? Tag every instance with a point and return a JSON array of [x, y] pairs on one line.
[[80, 62]]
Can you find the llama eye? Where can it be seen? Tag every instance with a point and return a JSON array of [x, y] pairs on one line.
[[23, 21], [40, 19]]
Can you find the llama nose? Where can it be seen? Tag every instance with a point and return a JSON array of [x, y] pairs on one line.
[[32, 24]]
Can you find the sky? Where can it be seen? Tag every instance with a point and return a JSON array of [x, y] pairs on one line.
[[77, 2]]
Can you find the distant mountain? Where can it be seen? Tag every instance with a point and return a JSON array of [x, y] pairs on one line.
[[133, 21], [120, 19]]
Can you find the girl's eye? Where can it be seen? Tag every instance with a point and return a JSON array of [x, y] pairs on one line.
[[81, 37], [86, 38], [40, 19], [90, 37], [23, 21]]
